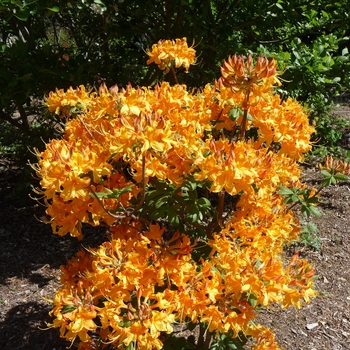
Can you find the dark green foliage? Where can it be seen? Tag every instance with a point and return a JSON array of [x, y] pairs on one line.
[[328, 137], [76, 42], [185, 210], [48, 44], [303, 197], [177, 343]]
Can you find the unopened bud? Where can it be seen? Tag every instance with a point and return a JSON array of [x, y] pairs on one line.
[[249, 62], [114, 90], [161, 123], [102, 89]]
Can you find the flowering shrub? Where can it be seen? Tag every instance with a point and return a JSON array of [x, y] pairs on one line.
[[191, 186]]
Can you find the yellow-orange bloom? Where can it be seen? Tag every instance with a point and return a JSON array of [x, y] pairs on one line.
[[170, 53], [75, 312], [62, 102], [240, 74], [337, 166]]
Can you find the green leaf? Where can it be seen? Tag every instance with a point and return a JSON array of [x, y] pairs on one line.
[[203, 202], [179, 343], [295, 198], [23, 15], [305, 211], [326, 173], [161, 201], [235, 113], [325, 14], [296, 54], [131, 345], [250, 118], [189, 185], [205, 154], [252, 299], [158, 213], [345, 51], [115, 194], [285, 191], [26, 3], [67, 308], [279, 6], [99, 195], [341, 177], [315, 211], [173, 217], [327, 182], [53, 9], [25, 77], [312, 200]]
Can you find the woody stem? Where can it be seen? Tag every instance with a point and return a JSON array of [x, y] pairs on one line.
[[221, 200], [174, 74], [245, 116]]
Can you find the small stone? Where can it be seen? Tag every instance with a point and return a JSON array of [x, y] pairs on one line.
[[311, 325], [303, 333]]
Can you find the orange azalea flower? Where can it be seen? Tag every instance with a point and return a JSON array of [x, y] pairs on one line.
[[61, 102], [228, 166], [335, 165], [74, 311], [284, 123], [67, 217], [170, 53], [64, 168], [240, 74], [265, 338]]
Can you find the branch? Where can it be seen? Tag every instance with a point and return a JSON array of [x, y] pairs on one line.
[[221, 201], [14, 122], [24, 117], [245, 116]]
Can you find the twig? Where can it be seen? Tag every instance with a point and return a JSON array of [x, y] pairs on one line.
[[86, 128], [143, 184], [245, 116], [221, 198], [174, 74]]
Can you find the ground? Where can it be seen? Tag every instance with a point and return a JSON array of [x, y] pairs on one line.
[[30, 257]]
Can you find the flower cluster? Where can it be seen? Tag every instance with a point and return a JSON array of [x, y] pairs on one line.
[[125, 160], [170, 53], [238, 74], [139, 286], [335, 165]]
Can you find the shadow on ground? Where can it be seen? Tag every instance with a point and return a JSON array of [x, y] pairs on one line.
[[23, 329], [30, 257]]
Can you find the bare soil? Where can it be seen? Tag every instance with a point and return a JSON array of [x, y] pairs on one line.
[[30, 256]]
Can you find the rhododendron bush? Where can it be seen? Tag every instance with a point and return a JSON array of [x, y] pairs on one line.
[[191, 185]]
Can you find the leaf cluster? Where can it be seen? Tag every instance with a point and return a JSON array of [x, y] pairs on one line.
[[304, 197], [183, 207]]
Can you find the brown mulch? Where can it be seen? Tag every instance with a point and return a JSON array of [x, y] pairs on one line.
[[30, 256]]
